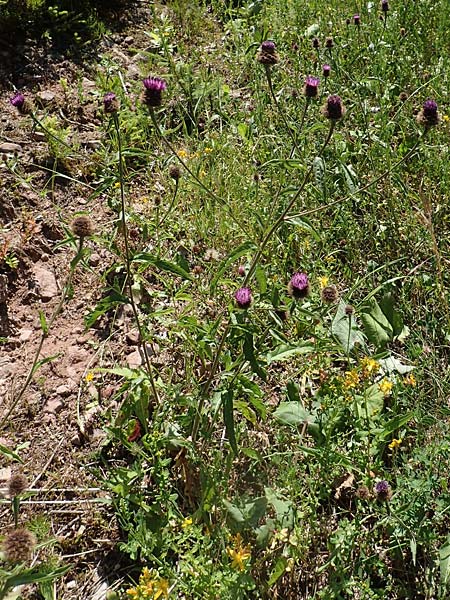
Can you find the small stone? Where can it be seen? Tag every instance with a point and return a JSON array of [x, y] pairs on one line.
[[46, 282], [9, 147], [128, 40], [54, 406], [38, 136], [63, 390], [94, 259], [46, 96], [25, 335], [134, 360], [132, 337]]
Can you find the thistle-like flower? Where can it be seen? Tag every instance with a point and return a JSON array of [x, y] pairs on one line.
[[20, 102], [334, 109], [329, 294], [326, 70], [267, 54], [311, 87], [357, 20], [175, 172], [153, 89], [299, 285], [329, 43], [429, 116], [383, 491], [384, 6], [316, 43], [243, 297], [110, 103], [18, 545], [17, 485], [82, 226]]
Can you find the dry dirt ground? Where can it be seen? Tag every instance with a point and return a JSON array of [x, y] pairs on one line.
[[57, 426]]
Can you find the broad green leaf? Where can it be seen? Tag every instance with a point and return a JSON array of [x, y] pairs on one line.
[[345, 328], [286, 351], [261, 278], [10, 453], [376, 327], [235, 513], [243, 131], [444, 562], [395, 423], [394, 365], [304, 224], [312, 30], [375, 400], [105, 304], [146, 259], [284, 509], [278, 570], [350, 177], [393, 316], [319, 174], [293, 413]]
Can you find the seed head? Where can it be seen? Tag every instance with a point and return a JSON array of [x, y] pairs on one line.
[[153, 89], [349, 310], [334, 109], [330, 294], [326, 70], [20, 102], [329, 42], [243, 297], [429, 116], [110, 103], [17, 484], [383, 491], [384, 6], [311, 87], [175, 172], [363, 492], [82, 226], [267, 54], [299, 285], [18, 545], [316, 43]]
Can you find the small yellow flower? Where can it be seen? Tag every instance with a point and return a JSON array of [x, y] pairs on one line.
[[446, 118], [395, 444], [207, 150], [351, 379], [369, 366], [386, 386], [239, 554], [187, 522], [89, 376], [410, 380], [182, 153], [323, 281], [117, 185]]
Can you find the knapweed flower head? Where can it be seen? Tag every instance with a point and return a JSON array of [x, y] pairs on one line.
[[243, 297], [239, 553], [349, 310], [334, 109], [18, 545], [298, 286], [383, 491], [329, 43], [326, 70], [17, 485], [20, 102], [267, 54], [82, 226], [311, 87], [175, 172], [151, 587], [315, 43], [329, 294], [384, 6], [110, 103], [357, 20], [153, 89], [429, 115]]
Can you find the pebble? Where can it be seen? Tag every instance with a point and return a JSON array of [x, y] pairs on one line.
[[10, 147], [47, 283], [25, 335], [54, 406]]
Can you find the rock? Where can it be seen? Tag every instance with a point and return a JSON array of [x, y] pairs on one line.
[[46, 281], [65, 389], [54, 406], [9, 147], [38, 136], [133, 72], [25, 334], [46, 96], [134, 360], [94, 259], [88, 85], [132, 337], [128, 40]]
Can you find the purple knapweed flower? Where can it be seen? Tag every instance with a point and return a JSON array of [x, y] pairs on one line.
[[110, 102], [299, 285], [243, 297], [383, 491], [357, 20], [153, 89], [18, 100], [334, 109], [326, 70], [311, 87], [384, 6], [429, 115], [267, 54]]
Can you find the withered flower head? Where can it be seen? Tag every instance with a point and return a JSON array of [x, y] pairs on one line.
[[175, 172], [82, 226], [267, 54], [329, 294], [17, 485], [18, 545], [333, 108], [110, 103]]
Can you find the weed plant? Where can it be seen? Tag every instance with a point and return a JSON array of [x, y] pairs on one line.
[[286, 435]]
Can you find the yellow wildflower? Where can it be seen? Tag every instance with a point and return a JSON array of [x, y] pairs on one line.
[[410, 380], [89, 376], [151, 587], [207, 150], [446, 118], [323, 281], [369, 366], [351, 379], [386, 386], [117, 184], [182, 153], [187, 522], [395, 443], [239, 554]]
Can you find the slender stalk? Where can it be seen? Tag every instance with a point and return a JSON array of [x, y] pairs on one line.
[[129, 278], [267, 70]]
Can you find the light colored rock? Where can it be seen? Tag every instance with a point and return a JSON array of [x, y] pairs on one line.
[[46, 96], [54, 406], [9, 147], [48, 288], [134, 360], [25, 335]]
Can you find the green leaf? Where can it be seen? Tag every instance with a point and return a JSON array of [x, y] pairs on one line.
[[249, 353], [146, 259], [312, 30], [319, 174], [376, 327], [444, 562], [393, 316], [304, 224], [230, 259], [278, 570], [260, 277], [394, 365], [235, 513], [242, 129], [10, 454], [228, 418], [350, 177], [345, 328], [293, 413], [286, 351], [43, 323], [105, 304], [395, 423], [284, 509], [375, 400]]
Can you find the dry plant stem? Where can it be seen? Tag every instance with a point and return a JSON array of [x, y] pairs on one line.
[[44, 335], [129, 280], [192, 174], [274, 98], [168, 211], [251, 270]]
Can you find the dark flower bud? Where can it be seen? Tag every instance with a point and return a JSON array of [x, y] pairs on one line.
[[243, 297], [153, 89], [334, 109], [403, 97], [428, 116], [384, 6], [82, 226], [17, 485], [175, 172], [310, 89], [349, 310], [329, 43], [363, 493], [329, 294], [299, 285], [316, 43], [326, 70], [383, 491], [357, 20], [110, 103], [267, 54], [18, 545]]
